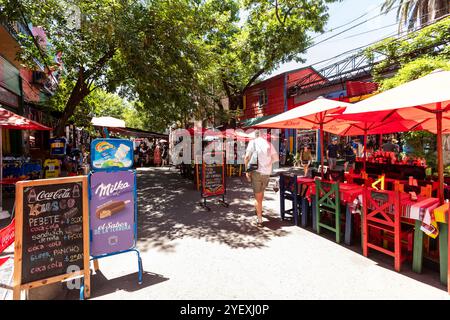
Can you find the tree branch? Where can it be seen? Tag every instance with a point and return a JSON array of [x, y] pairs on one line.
[[277, 14], [287, 14], [227, 88], [100, 63], [253, 79]]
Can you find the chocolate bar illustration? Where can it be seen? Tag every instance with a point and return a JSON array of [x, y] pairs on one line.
[[108, 209]]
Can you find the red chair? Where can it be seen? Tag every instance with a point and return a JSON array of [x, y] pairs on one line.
[[381, 211]]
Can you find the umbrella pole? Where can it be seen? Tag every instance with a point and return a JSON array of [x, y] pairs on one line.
[[441, 175], [365, 151], [3, 213], [440, 155], [322, 136]]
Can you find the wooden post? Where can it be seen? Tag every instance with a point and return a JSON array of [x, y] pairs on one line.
[[86, 241], [96, 265], [418, 248], [17, 276]]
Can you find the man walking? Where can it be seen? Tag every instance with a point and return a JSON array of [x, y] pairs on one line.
[[261, 155], [332, 153]]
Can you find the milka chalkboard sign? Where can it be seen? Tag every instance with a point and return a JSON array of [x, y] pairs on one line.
[[52, 232]]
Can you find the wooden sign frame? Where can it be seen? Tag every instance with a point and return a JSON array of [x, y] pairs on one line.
[[17, 277], [222, 193]]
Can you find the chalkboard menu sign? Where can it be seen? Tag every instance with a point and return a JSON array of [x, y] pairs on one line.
[[213, 176], [52, 234]]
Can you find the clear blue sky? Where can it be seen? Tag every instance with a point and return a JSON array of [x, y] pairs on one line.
[[342, 13]]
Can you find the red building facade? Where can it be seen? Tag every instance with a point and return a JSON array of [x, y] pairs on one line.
[[275, 95]]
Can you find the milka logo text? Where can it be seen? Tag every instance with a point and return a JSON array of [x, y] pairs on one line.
[[108, 189]]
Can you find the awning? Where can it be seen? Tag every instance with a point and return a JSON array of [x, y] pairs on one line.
[[138, 133], [10, 120], [109, 122], [247, 123]]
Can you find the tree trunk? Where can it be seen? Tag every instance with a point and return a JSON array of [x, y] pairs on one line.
[[79, 92]]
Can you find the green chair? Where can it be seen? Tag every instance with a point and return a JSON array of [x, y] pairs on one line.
[[328, 204]]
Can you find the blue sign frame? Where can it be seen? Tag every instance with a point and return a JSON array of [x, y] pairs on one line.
[[133, 248], [114, 142], [112, 170]]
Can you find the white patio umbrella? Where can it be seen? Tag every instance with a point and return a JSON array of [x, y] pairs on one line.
[[425, 100], [110, 122]]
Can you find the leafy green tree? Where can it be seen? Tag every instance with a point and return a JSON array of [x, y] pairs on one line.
[[139, 49], [177, 58], [251, 38], [413, 13]]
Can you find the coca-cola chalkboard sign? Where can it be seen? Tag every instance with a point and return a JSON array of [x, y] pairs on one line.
[[52, 233]]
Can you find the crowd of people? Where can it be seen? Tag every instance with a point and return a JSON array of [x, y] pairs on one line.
[[153, 152], [348, 151]]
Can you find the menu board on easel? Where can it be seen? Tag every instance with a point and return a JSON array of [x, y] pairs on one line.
[[52, 232], [213, 179]]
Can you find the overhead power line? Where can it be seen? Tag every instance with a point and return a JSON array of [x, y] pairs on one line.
[[348, 23], [400, 36]]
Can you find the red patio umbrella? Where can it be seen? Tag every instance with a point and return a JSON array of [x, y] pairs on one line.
[[312, 115], [425, 100], [10, 120]]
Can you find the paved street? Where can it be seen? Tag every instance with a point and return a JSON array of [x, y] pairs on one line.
[[189, 253]]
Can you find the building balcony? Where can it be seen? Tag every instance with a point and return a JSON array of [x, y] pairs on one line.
[[10, 40]]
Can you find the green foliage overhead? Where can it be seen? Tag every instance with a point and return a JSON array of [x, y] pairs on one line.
[[414, 70], [431, 41]]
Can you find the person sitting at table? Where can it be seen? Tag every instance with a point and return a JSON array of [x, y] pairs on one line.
[[391, 146], [358, 147], [304, 159]]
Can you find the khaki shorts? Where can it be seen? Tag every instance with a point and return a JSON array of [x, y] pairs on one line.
[[259, 181]]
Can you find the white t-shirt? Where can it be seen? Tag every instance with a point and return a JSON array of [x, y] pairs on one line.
[[266, 154]]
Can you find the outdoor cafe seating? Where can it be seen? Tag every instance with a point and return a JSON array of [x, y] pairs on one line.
[[342, 213]]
